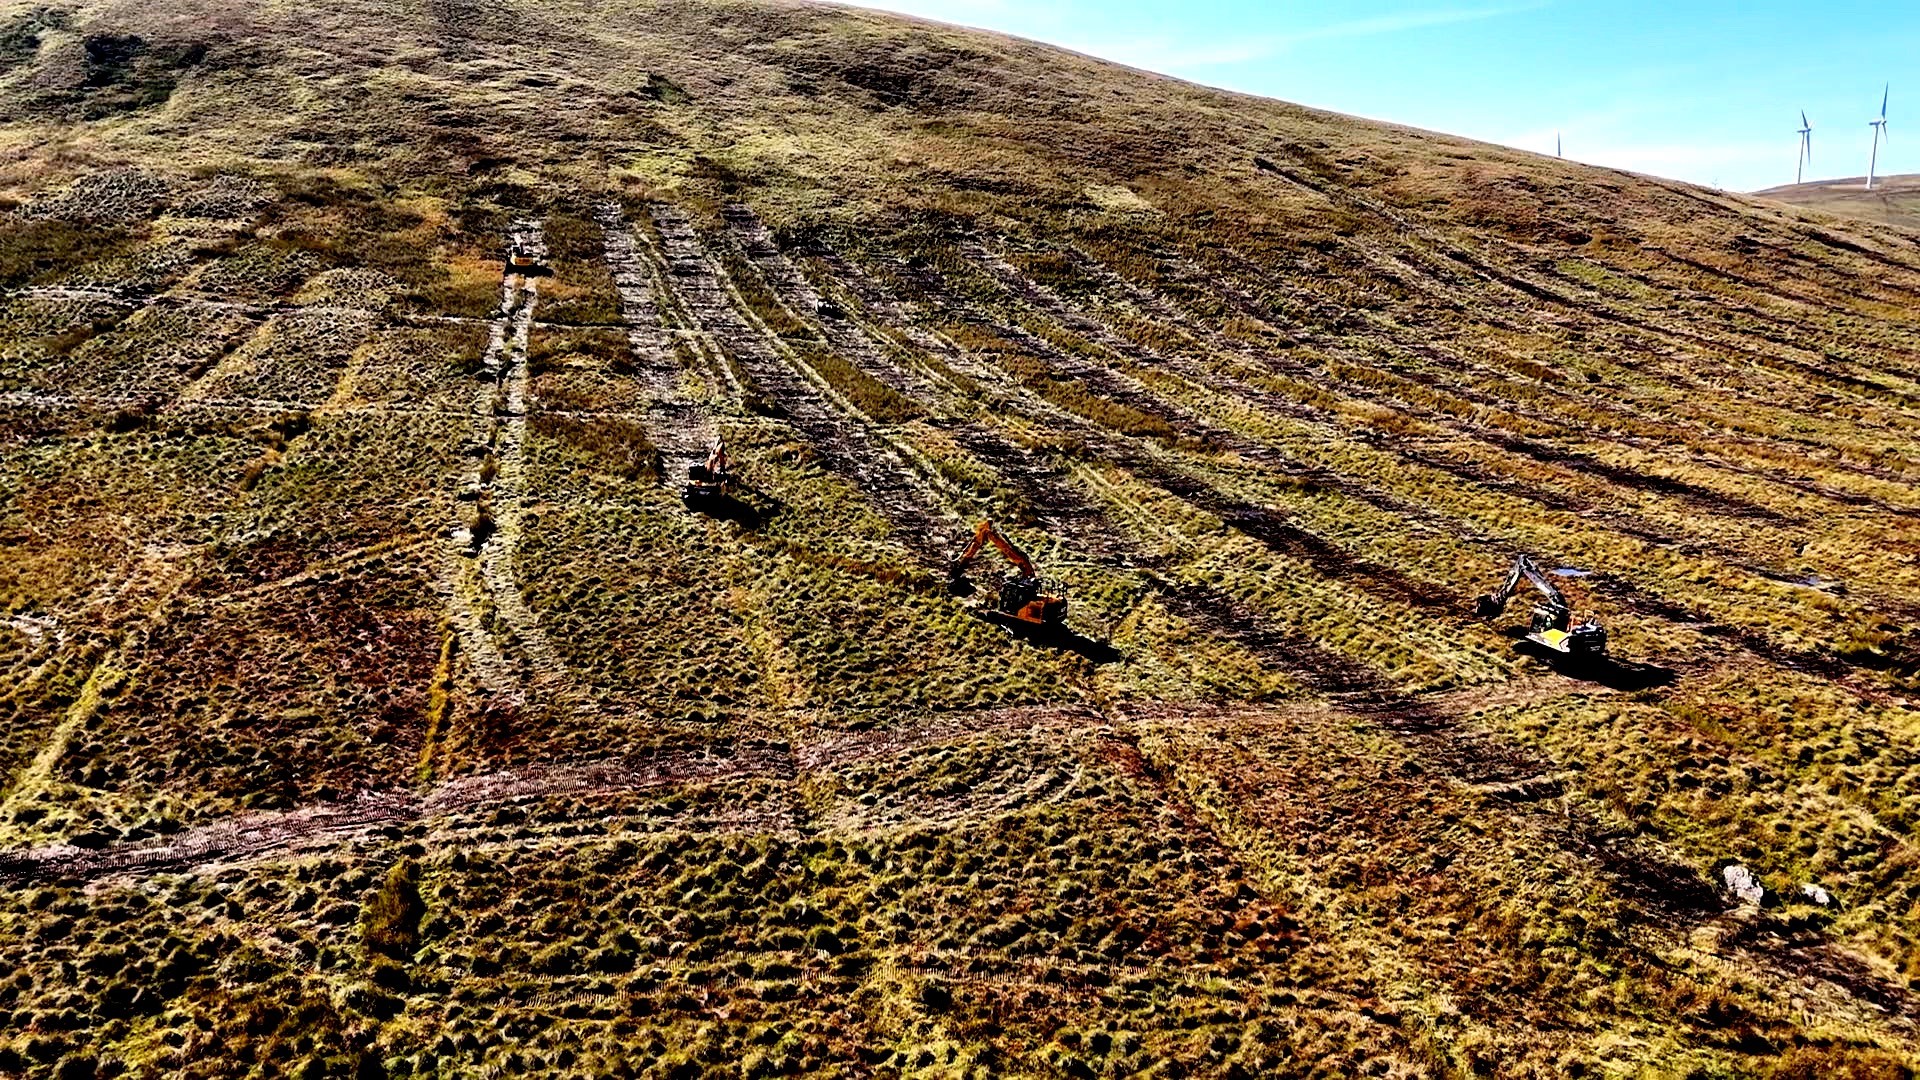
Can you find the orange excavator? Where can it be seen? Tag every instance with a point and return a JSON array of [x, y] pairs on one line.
[[1024, 599]]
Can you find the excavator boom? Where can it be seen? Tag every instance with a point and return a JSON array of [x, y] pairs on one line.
[[985, 534], [1495, 602]]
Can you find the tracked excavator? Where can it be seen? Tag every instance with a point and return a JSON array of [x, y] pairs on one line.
[[527, 255], [711, 480], [1024, 599], [1552, 625]]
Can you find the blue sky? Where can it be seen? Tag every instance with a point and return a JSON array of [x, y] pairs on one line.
[[1702, 90]]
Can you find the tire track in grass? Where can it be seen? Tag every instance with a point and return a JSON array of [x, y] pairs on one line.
[[924, 519], [484, 601], [509, 491], [327, 825], [1628, 596], [321, 826], [677, 423]]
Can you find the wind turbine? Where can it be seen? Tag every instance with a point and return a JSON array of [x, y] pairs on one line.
[[1879, 132], [1806, 147], [1556, 145]]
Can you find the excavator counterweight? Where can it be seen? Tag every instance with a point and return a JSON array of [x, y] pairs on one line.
[[1023, 597], [1552, 625]]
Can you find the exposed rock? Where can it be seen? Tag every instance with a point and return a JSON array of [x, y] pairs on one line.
[[1814, 894], [1742, 885]]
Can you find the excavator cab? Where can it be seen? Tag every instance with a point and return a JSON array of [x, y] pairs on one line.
[[1023, 598], [1552, 625], [1030, 600]]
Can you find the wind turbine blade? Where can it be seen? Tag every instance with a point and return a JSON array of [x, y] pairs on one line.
[[1884, 91]]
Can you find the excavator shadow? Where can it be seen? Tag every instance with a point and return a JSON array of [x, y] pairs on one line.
[[1058, 638], [745, 514], [1605, 670]]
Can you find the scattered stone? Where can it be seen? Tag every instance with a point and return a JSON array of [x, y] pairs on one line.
[[1816, 895], [1742, 885]]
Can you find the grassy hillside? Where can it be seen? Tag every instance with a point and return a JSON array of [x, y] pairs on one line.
[[1894, 200], [373, 706]]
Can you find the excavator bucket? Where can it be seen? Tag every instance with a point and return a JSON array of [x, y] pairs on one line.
[[958, 584], [1486, 606]]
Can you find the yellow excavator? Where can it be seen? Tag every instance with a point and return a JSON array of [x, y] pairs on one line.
[[712, 480], [1552, 626], [1023, 599]]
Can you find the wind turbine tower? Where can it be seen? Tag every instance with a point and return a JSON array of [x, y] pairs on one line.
[[1879, 132], [1806, 148], [1556, 145]]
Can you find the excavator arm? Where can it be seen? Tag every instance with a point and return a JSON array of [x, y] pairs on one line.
[[984, 535], [712, 478], [1495, 602]]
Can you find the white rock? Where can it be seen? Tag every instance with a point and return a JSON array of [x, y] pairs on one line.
[[1816, 894], [1742, 885]]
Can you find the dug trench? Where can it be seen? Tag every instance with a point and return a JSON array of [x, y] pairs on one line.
[[1258, 522], [376, 814], [1440, 741], [1662, 884]]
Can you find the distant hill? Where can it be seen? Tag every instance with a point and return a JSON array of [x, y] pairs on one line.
[[1894, 200], [373, 702]]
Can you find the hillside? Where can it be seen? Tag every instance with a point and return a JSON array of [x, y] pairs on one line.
[[373, 704], [1894, 200]]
